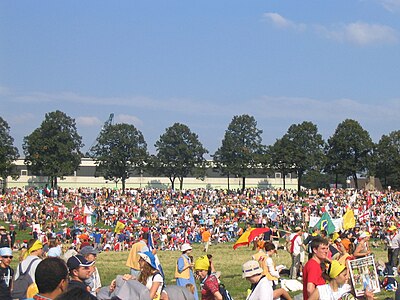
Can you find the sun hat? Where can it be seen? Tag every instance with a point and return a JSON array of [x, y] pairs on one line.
[[2, 227], [185, 247], [77, 261], [6, 251], [149, 258], [88, 250], [250, 268], [335, 269], [202, 263], [298, 228], [392, 228]]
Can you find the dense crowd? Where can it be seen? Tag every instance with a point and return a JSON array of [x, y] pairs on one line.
[[92, 220]]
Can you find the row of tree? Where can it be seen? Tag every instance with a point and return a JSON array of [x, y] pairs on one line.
[[54, 150]]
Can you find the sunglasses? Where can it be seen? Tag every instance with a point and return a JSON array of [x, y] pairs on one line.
[[10, 257]]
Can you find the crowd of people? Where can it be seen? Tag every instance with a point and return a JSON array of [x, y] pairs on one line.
[[142, 220]]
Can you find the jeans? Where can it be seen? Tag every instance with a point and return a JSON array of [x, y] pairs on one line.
[[295, 266]]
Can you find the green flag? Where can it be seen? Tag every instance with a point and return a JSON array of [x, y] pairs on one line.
[[325, 223]]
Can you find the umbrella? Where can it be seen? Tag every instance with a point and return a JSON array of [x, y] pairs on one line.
[[248, 236]]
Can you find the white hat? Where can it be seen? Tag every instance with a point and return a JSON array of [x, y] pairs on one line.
[[250, 268], [6, 251], [185, 247]]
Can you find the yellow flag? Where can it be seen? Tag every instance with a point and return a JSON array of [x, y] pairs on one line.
[[348, 220], [119, 227]]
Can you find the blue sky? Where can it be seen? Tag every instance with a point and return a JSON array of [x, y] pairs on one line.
[[154, 63]]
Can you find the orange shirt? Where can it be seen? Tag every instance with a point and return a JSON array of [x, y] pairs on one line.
[[205, 236]]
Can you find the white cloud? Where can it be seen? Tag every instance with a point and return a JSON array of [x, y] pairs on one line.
[[281, 22], [129, 119], [361, 33], [88, 121], [391, 5]]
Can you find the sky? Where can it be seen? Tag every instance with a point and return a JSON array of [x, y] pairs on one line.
[[200, 63]]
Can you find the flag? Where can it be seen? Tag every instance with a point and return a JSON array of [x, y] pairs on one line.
[[348, 219], [364, 217], [150, 244], [119, 227], [325, 223]]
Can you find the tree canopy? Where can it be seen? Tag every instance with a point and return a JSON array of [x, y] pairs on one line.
[[8, 153], [119, 150], [241, 149], [179, 152], [53, 149], [348, 150], [305, 149]]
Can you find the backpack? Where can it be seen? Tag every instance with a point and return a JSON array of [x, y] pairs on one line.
[[22, 283], [389, 283], [224, 292]]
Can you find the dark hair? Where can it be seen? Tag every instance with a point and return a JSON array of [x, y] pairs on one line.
[[49, 274], [269, 246], [75, 293], [317, 241]]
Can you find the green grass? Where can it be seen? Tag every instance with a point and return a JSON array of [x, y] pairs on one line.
[[226, 260]]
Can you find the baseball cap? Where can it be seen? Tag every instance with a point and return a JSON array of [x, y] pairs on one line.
[[77, 261], [88, 250], [6, 251]]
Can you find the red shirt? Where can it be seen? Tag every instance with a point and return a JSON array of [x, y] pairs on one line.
[[312, 272], [209, 287]]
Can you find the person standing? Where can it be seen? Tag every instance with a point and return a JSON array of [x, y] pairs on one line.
[[296, 243], [209, 283], [5, 239], [312, 271], [392, 247], [206, 239], [261, 289], [133, 257], [183, 269], [6, 273]]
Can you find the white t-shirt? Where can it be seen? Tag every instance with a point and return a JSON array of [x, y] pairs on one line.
[[297, 243], [156, 278], [326, 293], [263, 291]]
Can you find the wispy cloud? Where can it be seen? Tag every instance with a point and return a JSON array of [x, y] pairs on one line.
[[391, 5], [22, 118], [281, 22], [88, 121], [128, 119], [361, 33]]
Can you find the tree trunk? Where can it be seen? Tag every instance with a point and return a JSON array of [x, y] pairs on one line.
[[336, 179], [355, 181], [172, 179], [55, 182], [299, 176], [181, 183], [243, 183], [228, 184], [123, 186], [284, 180]]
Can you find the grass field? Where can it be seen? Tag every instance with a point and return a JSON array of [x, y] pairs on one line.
[[226, 260]]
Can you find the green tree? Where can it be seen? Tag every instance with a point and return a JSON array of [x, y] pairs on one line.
[[8, 153], [306, 149], [387, 159], [241, 150], [348, 150], [119, 150], [279, 154], [53, 149], [179, 153]]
